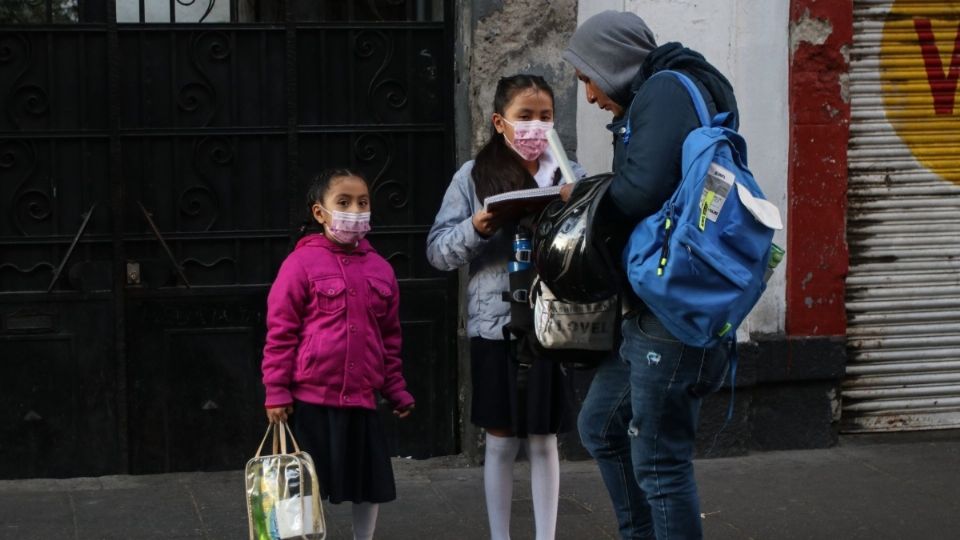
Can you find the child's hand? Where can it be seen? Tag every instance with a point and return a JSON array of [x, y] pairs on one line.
[[403, 413], [278, 414], [486, 223]]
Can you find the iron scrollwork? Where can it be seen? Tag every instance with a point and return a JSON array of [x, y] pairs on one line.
[[381, 88], [199, 202], [375, 150], [43, 267], [197, 95], [29, 205], [395, 191], [206, 13], [22, 99]]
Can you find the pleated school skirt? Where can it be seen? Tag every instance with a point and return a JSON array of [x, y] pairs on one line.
[[498, 403], [349, 450]]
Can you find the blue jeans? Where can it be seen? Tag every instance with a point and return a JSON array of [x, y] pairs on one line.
[[639, 421]]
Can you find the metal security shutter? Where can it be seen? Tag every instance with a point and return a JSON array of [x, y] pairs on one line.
[[903, 289]]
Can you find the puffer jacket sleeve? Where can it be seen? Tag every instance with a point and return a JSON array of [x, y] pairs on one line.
[[285, 307], [394, 385], [453, 241]]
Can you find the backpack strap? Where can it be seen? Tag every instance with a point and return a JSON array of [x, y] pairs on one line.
[[724, 119], [732, 358], [703, 112]]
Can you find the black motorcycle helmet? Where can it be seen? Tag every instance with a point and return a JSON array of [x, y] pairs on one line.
[[570, 245]]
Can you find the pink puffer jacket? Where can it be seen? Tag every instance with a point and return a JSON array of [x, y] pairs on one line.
[[333, 329]]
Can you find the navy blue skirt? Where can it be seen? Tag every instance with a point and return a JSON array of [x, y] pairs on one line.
[[349, 450]]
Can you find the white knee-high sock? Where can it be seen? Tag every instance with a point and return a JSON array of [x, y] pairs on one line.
[[544, 483], [364, 520], [498, 460]]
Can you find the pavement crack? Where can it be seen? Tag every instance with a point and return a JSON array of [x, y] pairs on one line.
[[862, 462], [196, 508], [73, 516], [737, 529], [715, 516], [443, 500]]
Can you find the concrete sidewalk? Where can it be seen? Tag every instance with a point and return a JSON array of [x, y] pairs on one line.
[[895, 486]]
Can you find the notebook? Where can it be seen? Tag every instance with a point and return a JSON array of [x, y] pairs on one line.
[[522, 199]]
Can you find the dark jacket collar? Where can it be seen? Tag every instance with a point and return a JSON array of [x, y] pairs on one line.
[[674, 56]]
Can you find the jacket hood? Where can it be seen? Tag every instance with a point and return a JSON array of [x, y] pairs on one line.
[[320, 240], [609, 48], [674, 56]]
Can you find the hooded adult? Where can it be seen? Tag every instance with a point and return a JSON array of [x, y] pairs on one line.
[[616, 54], [641, 412]]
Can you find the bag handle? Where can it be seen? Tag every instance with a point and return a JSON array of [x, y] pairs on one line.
[[280, 431], [285, 431], [270, 429]]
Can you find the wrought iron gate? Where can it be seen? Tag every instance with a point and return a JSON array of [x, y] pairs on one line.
[[152, 172]]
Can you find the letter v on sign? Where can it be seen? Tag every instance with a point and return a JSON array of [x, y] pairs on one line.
[[943, 85], [919, 71]]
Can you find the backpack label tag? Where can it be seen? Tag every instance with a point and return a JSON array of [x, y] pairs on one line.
[[716, 187]]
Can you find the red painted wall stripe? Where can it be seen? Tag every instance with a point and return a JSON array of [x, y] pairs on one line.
[[817, 174]]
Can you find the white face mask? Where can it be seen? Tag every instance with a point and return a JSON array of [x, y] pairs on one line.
[[348, 228]]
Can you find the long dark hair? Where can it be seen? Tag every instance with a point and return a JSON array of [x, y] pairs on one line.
[[497, 168], [317, 190]]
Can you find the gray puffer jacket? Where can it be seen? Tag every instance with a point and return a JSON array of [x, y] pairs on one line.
[[453, 242]]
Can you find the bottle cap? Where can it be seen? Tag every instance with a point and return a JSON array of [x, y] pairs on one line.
[[776, 255]]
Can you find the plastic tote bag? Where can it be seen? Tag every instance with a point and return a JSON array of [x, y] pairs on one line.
[[283, 495]]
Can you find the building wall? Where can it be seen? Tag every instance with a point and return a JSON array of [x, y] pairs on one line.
[[509, 37], [748, 41], [496, 38]]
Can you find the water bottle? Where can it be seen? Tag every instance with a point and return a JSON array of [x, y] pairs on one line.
[[522, 248], [776, 255], [521, 275]]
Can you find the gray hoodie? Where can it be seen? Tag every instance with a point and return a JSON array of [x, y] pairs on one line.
[[609, 48]]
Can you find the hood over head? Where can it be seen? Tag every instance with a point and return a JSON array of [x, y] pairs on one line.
[[609, 48]]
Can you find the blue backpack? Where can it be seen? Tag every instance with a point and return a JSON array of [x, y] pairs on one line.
[[699, 262]]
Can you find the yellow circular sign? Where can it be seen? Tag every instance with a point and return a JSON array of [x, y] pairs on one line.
[[919, 72]]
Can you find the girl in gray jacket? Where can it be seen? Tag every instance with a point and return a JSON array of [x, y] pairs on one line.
[[464, 234]]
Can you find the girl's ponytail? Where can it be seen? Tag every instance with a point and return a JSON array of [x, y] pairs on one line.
[[308, 226]]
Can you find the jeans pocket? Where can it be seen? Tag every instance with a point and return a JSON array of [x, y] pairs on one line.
[[658, 358], [713, 370]]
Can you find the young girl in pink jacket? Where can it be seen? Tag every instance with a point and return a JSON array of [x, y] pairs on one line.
[[333, 341]]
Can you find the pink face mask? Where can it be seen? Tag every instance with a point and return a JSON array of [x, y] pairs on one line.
[[529, 138], [348, 228]]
